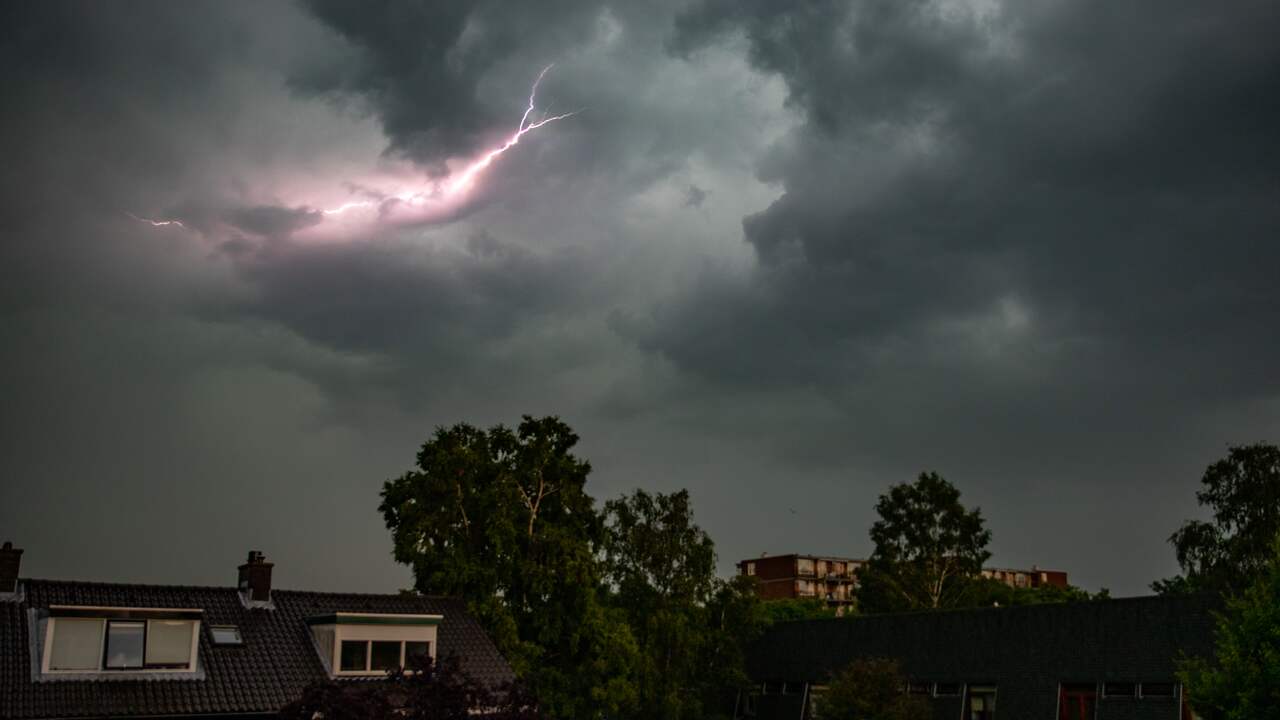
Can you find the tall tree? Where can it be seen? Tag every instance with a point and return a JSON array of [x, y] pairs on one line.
[[870, 689], [1243, 680], [661, 567], [501, 518], [928, 548], [1243, 492]]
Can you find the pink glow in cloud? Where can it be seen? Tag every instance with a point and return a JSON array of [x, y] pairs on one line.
[[421, 202]]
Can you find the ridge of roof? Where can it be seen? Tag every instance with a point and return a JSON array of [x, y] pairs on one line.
[[232, 588]]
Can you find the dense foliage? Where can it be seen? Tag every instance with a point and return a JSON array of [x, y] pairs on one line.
[[1243, 492], [870, 689], [789, 609], [427, 692], [501, 518], [606, 613], [1243, 681], [984, 592], [928, 548]]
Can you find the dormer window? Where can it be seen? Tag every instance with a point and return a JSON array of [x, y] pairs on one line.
[[112, 640], [353, 644]]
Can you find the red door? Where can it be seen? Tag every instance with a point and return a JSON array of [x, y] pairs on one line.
[[1077, 702]]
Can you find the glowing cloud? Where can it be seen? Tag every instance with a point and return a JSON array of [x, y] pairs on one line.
[[156, 223], [431, 199]]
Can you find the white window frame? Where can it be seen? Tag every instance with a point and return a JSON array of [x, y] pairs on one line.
[[383, 632], [118, 615]]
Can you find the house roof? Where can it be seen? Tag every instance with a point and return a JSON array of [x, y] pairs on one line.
[[276, 661]]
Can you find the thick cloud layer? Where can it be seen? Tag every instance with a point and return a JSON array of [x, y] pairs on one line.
[[783, 255]]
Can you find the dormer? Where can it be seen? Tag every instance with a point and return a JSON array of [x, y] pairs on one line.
[[370, 644], [117, 642]]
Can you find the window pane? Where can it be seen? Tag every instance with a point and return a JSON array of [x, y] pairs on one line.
[[1119, 689], [124, 644], [228, 635], [416, 653], [354, 653], [386, 655], [169, 643], [77, 644]]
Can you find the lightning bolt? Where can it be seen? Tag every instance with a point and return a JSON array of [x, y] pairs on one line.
[[442, 192], [156, 223], [466, 178]]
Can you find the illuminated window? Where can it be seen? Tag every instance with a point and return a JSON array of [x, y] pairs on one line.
[[980, 703], [119, 639], [77, 644]]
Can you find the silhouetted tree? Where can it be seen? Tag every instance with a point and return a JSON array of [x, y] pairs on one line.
[[1243, 680], [501, 518], [870, 689], [661, 568], [1243, 492], [928, 548]]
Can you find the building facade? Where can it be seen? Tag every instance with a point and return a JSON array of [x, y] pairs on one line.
[[72, 649], [1099, 660], [834, 579]]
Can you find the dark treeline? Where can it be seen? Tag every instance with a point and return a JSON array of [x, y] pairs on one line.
[[614, 610]]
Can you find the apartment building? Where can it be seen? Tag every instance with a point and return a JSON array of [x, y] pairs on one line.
[[834, 579], [1033, 578], [804, 576]]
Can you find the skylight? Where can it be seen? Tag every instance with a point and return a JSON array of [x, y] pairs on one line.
[[226, 635]]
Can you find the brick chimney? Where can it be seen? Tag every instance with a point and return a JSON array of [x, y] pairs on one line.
[[10, 562], [255, 578]]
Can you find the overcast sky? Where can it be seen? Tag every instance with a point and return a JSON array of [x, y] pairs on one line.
[[783, 254]]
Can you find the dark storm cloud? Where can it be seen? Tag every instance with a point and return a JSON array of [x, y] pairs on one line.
[[1026, 244], [1107, 170]]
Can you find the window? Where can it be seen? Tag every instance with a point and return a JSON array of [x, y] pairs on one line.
[[378, 656], [751, 568], [804, 566], [946, 689], [1077, 701], [77, 644], [127, 639], [226, 635], [1159, 689], [415, 653], [168, 643], [125, 644], [817, 693], [373, 643], [981, 702], [918, 688], [385, 655], [1119, 689], [355, 656]]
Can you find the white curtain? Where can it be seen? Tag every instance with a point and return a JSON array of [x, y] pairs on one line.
[[77, 644], [169, 642]]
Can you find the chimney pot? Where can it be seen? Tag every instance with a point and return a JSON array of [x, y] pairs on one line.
[[10, 564], [255, 578]]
